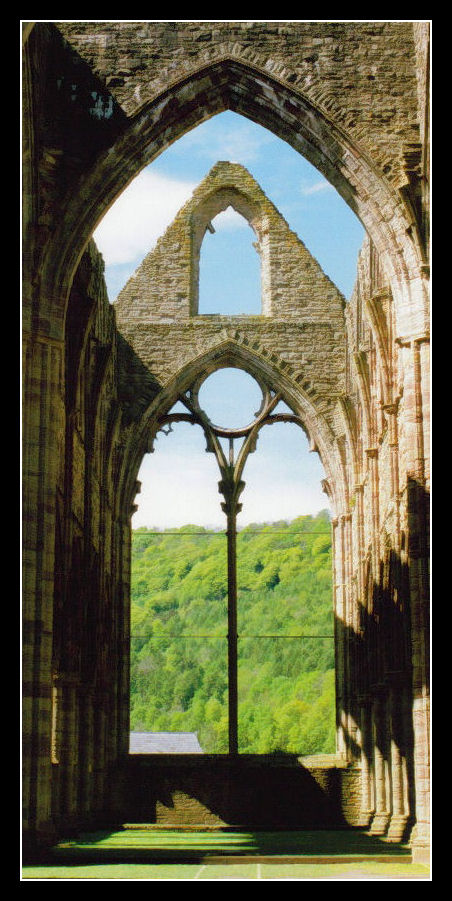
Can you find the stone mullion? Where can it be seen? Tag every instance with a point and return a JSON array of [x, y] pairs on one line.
[[43, 428]]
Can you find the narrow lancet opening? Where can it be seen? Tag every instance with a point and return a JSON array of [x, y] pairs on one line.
[[229, 271]]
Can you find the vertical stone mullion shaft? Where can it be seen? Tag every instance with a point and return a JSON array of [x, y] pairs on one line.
[[232, 631], [42, 442]]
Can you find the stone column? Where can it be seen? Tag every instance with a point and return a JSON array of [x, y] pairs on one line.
[[391, 411], [367, 793], [339, 636], [123, 543], [43, 440], [69, 752], [86, 752], [416, 453], [359, 516], [351, 719], [372, 457], [400, 807], [382, 798], [57, 704], [99, 774]]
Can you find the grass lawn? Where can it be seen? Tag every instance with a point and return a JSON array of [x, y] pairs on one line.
[[140, 853], [373, 870]]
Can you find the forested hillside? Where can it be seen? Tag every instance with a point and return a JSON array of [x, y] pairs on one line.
[[179, 627]]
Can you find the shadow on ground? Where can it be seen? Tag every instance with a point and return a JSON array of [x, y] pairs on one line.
[[141, 845]]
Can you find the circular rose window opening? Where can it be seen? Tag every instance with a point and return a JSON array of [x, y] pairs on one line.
[[231, 398]]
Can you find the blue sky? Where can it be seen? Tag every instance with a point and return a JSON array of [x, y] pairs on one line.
[[179, 481]]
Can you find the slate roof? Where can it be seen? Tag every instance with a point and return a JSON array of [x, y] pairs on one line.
[[164, 743]]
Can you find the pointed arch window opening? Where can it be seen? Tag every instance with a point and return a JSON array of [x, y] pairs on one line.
[[222, 442], [229, 267]]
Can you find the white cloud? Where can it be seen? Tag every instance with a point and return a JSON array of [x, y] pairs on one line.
[[177, 491], [228, 141], [323, 185], [180, 488], [229, 219], [142, 213], [131, 227]]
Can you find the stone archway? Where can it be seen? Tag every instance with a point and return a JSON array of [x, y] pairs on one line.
[[236, 354], [363, 126], [232, 84]]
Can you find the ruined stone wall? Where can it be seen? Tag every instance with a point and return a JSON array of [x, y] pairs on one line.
[[346, 358], [87, 698], [261, 791], [100, 101], [165, 286], [345, 95], [356, 71], [380, 594], [301, 329]]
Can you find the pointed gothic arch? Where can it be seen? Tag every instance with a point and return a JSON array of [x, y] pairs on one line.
[[245, 89], [232, 353]]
